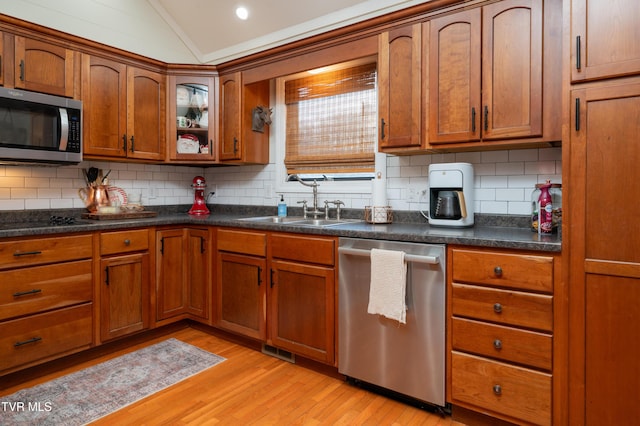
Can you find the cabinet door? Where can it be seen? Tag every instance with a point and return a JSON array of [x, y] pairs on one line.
[[604, 283], [194, 99], [302, 309], [512, 69], [454, 78], [604, 38], [146, 110], [241, 295], [198, 272], [230, 107], [124, 295], [104, 101], [43, 67], [3, 59], [399, 89], [171, 285]]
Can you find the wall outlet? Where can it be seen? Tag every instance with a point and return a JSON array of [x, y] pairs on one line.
[[213, 190], [153, 192], [268, 191]]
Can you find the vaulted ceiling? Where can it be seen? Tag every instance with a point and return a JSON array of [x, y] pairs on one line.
[[197, 31]]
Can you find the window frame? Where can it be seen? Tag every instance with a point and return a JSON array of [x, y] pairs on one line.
[[279, 133]]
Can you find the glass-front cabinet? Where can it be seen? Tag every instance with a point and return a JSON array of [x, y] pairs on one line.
[[192, 128]]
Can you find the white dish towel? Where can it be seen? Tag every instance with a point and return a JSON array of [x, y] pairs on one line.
[[388, 288]]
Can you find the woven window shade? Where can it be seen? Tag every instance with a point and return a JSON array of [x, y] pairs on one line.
[[331, 122]]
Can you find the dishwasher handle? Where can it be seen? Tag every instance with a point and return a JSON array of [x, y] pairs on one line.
[[431, 260]]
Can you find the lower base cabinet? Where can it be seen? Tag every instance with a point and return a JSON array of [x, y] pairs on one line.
[[286, 298], [183, 274], [124, 283], [46, 299], [38, 338], [502, 333]]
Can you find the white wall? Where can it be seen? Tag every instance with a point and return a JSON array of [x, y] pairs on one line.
[[503, 183]]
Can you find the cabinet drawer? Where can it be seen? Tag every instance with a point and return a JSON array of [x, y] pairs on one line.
[[503, 306], [505, 343], [39, 251], [30, 290], [124, 241], [303, 248], [243, 242], [513, 391], [42, 336], [527, 272]]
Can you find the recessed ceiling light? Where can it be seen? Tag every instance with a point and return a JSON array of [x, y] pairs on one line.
[[242, 13]]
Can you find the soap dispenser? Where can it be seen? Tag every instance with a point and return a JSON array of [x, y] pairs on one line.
[[282, 207]]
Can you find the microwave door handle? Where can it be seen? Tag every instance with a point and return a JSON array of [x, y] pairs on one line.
[[64, 129]]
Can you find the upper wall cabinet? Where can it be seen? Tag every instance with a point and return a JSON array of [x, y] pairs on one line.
[[239, 143], [124, 110], [192, 124], [604, 38], [489, 78], [44, 67], [399, 89]]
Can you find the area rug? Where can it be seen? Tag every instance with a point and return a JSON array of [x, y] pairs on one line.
[[86, 395]]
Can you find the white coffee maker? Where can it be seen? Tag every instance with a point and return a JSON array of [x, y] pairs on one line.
[[451, 197]]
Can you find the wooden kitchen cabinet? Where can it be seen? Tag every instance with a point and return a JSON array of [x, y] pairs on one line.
[[241, 285], [124, 110], [302, 295], [604, 35], [400, 92], [280, 289], [46, 299], [490, 80], [604, 260], [238, 143], [3, 59], [183, 274], [124, 283], [44, 67], [192, 97], [501, 333]]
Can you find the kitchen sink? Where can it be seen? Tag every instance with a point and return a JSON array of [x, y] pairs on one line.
[[298, 221], [272, 219]]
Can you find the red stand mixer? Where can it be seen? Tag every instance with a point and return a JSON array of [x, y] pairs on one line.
[[199, 207]]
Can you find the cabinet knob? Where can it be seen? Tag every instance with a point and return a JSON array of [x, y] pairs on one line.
[[497, 308], [497, 389], [127, 242], [498, 271], [497, 344]]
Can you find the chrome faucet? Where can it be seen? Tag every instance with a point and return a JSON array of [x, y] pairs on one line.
[[315, 212]]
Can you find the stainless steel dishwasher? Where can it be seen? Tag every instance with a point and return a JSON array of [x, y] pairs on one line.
[[406, 358]]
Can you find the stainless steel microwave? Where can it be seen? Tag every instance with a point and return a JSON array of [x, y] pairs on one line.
[[35, 127]]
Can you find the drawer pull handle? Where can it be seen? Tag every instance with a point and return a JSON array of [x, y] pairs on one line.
[[497, 389], [498, 271], [127, 242], [26, 293], [497, 344], [497, 308], [26, 253], [26, 342]]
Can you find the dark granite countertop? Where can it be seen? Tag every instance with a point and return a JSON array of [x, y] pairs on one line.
[[494, 231]]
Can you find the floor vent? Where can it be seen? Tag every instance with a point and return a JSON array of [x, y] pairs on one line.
[[278, 353]]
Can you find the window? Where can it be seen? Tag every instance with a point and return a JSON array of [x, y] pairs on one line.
[[331, 123]]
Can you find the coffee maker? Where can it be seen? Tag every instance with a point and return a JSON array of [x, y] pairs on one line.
[[451, 195]]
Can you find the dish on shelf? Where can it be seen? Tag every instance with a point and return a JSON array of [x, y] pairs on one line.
[[188, 144]]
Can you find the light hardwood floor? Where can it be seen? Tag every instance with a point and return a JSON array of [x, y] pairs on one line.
[[251, 388]]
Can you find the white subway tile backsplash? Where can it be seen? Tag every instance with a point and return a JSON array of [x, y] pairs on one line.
[[503, 183]]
